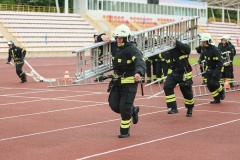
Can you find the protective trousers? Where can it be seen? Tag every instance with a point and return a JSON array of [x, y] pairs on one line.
[[121, 100], [151, 67], [20, 72], [161, 69], [186, 89], [213, 84], [203, 68]]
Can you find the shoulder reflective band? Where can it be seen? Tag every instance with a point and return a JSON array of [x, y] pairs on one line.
[[183, 56]]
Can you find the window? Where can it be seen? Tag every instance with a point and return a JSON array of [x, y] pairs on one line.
[[90, 4], [95, 5], [158, 9], [126, 7]]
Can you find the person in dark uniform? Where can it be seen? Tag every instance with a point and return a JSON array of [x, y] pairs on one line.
[[128, 69], [179, 72], [161, 67], [150, 69], [17, 54], [231, 80], [214, 63], [98, 38], [227, 72], [202, 65]]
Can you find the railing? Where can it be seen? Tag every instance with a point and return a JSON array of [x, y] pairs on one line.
[[29, 8]]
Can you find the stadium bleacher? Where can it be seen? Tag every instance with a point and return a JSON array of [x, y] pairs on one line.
[[48, 32], [3, 44], [218, 29]]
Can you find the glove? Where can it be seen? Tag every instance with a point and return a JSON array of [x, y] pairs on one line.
[[7, 62]]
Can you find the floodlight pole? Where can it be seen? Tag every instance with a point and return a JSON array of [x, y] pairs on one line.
[[57, 6], [66, 6]]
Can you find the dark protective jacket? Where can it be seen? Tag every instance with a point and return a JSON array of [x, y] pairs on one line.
[[226, 48], [127, 61], [199, 49], [213, 57], [177, 58], [17, 54], [100, 49], [233, 48]]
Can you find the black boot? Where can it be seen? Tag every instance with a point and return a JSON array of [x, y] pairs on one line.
[[124, 133], [215, 101], [189, 112], [23, 78], [135, 114], [173, 110], [222, 94]]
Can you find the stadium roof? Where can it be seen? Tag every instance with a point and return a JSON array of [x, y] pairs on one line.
[[227, 4]]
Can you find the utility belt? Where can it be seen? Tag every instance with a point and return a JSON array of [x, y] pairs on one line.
[[119, 80], [18, 62]]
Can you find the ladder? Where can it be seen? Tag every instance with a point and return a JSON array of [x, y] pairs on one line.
[[159, 39]]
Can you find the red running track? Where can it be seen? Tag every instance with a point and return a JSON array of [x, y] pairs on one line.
[[76, 122]]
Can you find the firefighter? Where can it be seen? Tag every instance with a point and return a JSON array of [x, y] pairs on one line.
[[150, 69], [179, 72], [227, 72], [161, 67], [214, 63], [129, 67], [17, 54], [231, 80], [98, 38], [150, 65], [202, 65]]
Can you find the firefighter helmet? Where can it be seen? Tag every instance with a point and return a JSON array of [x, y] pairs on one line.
[[122, 31], [225, 37], [96, 34], [206, 37], [11, 43]]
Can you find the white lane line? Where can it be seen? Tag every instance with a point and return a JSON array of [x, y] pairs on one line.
[[52, 111], [56, 90], [23, 102], [38, 133], [221, 101], [90, 94], [41, 99], [23, 93], [160, 139], [74, 127], [216, 112], [72, 100]]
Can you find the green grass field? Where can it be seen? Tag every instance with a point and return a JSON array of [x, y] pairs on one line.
[[236, 61]]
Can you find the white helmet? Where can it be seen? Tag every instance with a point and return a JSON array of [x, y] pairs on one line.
[[11, 43], [228, 38], [225, 37], [96, 34], [206, 37], [122, 31]]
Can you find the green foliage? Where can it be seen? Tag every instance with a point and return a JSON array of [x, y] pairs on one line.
[[218, 13], [38, 2]]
